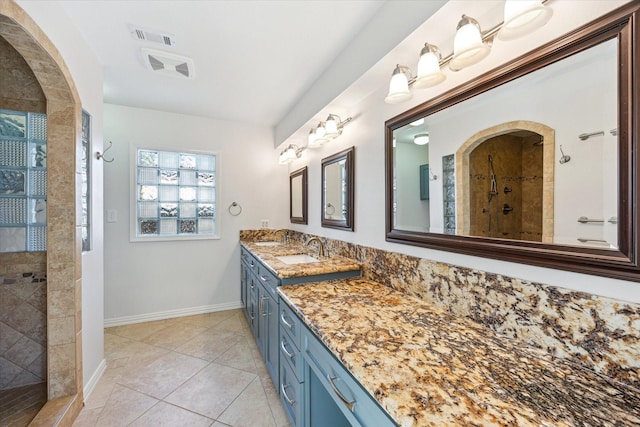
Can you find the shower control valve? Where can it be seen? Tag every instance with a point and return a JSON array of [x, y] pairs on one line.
[[506, 209]]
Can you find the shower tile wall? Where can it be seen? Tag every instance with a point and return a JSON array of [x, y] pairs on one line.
[[23, 319]]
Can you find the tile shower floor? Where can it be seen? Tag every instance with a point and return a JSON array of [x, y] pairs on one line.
[[202, 370]]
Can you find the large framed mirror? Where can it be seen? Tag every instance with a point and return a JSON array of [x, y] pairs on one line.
[[298, 196], [535, 162], [338, 190]]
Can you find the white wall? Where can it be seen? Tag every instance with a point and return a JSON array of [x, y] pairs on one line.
[[366, 133], [87, 75], [146, 280]]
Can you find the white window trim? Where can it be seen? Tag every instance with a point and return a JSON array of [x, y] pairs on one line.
[[133, 196]]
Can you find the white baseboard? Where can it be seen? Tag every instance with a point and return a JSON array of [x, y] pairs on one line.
[[170, 314], [93, 381]]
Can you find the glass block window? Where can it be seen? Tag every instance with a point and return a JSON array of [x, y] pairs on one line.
[[85, 166], [23, 181], [175, 195], [449, 193]]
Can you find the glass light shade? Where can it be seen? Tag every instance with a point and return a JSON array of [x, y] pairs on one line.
[[321, 133], [417, 122], [421, 139], [398, 87], [312, 139], [331, 126], [288, 155], [468, 47], [522, 17], [429, 73]]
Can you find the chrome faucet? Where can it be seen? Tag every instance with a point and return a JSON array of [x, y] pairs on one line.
[[320, 245]]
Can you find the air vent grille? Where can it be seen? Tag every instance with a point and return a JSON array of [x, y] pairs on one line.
[[168, 64], [147, 35]]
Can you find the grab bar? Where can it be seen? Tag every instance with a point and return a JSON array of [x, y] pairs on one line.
[[584, 220]]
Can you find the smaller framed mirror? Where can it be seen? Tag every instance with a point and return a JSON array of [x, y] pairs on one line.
[[298, 197], [338, 190]]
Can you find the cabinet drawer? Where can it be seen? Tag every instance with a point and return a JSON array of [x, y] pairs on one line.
[[355, 403], [249, 260], [291, 394], [290, 353], [268, 279], [290, 323]]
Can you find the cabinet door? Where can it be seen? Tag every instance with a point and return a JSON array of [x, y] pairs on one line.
[[243, 290], [272, 344], [252, 291]]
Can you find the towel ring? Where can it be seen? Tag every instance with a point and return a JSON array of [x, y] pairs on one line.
[[235, 209]]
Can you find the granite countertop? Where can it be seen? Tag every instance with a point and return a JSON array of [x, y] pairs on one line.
[[328, 264], [426, 367]]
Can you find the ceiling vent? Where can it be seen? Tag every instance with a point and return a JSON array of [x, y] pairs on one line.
[[146, 35], [168, 64]]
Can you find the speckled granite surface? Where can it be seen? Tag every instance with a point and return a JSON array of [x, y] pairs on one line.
[[268, 255], [599, 333], [427, 367]]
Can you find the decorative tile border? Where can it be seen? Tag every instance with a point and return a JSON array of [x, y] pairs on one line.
[[598, 333]]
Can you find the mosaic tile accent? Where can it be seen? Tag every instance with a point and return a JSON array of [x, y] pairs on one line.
[[600, 334]]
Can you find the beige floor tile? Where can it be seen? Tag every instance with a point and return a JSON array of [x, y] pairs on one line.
[[135, 351], [139, 373], [208, 320], [211, 344], [87, 417], [137, 331], [239, 357], [211, 390], [274, 402], [123, 407], [163, 375], [250, 409], [174, 335], [165, 415]]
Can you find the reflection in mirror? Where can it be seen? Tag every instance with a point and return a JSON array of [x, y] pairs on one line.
[[504, 174], [499, 184], [298, 198], [337, 190]]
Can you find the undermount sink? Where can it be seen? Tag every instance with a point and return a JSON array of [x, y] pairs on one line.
[[268, 243], [297, 259]]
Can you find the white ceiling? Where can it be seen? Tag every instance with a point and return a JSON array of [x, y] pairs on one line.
[[253, 59]]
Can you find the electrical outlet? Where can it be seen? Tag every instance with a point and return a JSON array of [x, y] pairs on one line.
[[264, 223]]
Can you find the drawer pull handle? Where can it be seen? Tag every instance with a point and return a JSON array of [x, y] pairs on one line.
[[284, 349], [349, 404], [262, 300], [287, 324], [283, 388], [253, 264], [252, 316], [264, 279]]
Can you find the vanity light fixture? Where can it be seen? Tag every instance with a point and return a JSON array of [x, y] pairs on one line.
[[418, 122], [421, 139], [470, 46], [326, 131], [289, 154]]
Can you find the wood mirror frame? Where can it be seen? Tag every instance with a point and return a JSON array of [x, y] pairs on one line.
[[346, 223], [622, 263], [304, 196]]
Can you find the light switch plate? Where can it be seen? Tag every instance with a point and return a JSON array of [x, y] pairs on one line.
[[112, 215]]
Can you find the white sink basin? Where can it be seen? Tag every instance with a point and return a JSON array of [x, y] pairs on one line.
[[268, 243], [297, 259]]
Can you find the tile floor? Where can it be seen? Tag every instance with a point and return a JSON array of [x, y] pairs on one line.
[[19, 406], [202, 370]]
